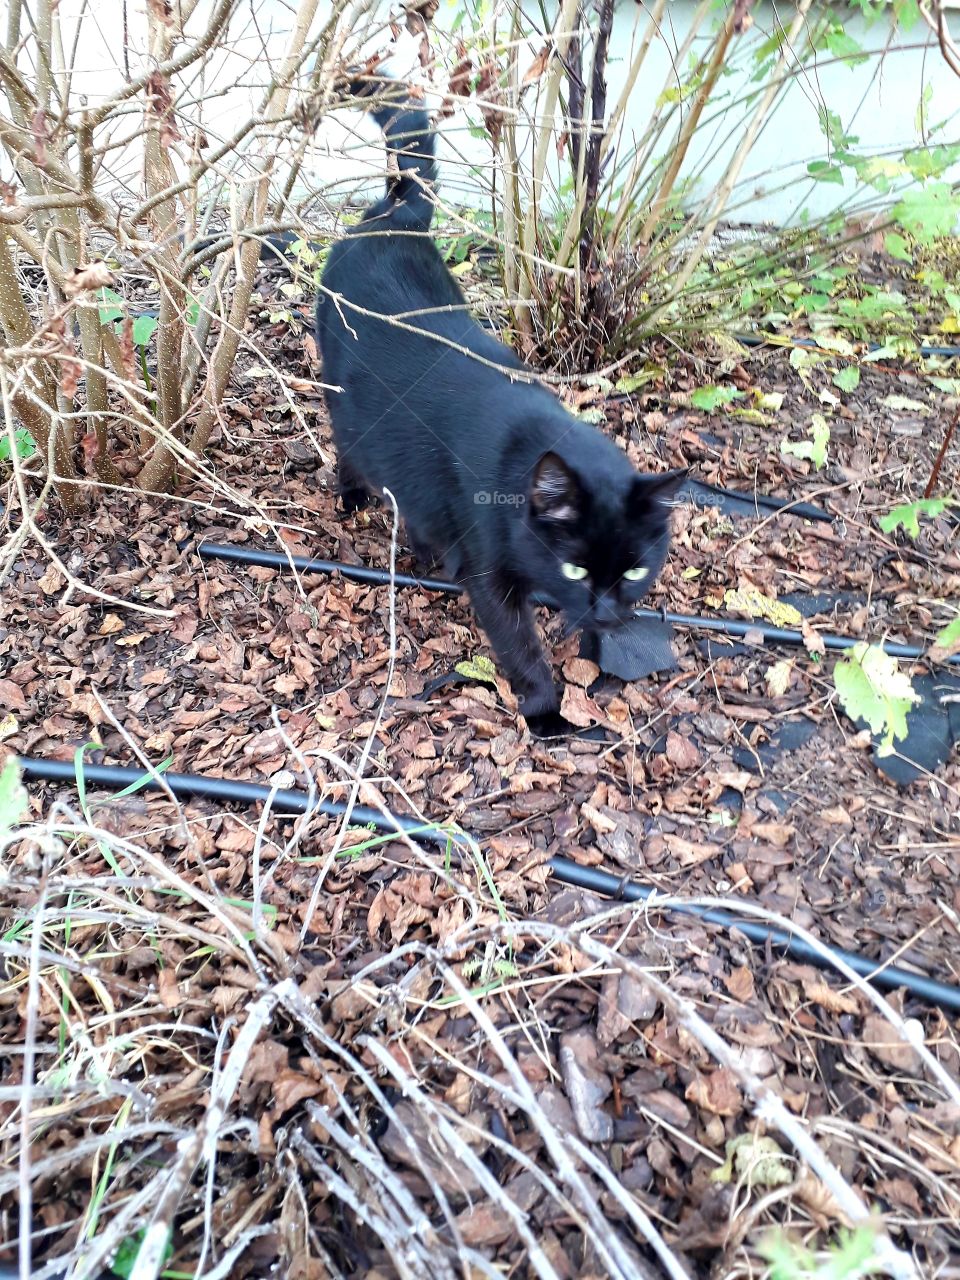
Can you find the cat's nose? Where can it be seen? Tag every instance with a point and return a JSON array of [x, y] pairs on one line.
[[606, 612]]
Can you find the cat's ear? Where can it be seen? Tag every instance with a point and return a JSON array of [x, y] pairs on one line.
[[650, 491], [555, 490]]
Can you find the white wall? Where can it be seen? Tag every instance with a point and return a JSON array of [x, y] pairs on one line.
[[878, 101]]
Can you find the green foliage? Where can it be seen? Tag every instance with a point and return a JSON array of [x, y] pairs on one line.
[[712, 398], [907, 516], [13, 798], [479, 668], [757, 1160], [897, 247], [872, 688], [143, 329], [843, 46], [948, 639], [928, 212], [112, 311], [852, 1257], [815, 448], [126, 1255], [847, 379], [23, 443]]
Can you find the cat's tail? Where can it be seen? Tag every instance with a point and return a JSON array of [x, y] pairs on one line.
[[411, 142]]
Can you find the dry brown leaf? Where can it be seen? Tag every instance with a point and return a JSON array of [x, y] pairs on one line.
[[740, 984], [742, 17], [836, 815], [11, 697], [538, 66], [160, 102], [821, 1203], [168, 989], [716, 1092], [291, 1087], [886, 1044], [681, 751], [601, 822], [778, 677], [686, 852], [52, 580], [266, 1061], [903, 1192], [93, 275], [578, 708], [580, 671], [812, 640], [818, 992]]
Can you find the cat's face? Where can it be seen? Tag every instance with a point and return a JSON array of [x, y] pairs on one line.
[[597, 551]]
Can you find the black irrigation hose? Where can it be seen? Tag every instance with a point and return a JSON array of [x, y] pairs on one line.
[[285, 801], [730, 627], [763, 502], [774, 340]]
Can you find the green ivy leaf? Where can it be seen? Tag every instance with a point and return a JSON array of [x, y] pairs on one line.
[[872, 688], [816, 448], [711, 398], [479, 668], [847, 379], [13, 798], [907, 516]]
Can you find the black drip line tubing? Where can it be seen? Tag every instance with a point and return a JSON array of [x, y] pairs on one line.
[[289, 801], [731, 628], [775, 340]]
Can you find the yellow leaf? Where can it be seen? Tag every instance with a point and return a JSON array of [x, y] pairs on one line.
[[478, 668], [755, 604]]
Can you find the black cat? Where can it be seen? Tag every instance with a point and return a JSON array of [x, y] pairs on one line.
[[492, 476]]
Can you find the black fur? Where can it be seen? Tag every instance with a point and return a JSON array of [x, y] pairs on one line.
[[491, 475]]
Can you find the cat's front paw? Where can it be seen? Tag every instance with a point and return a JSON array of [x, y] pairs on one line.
[[550, 724], [353, 500]]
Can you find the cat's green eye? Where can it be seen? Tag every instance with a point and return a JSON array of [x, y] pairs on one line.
[[636, 575], [575, 572]]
